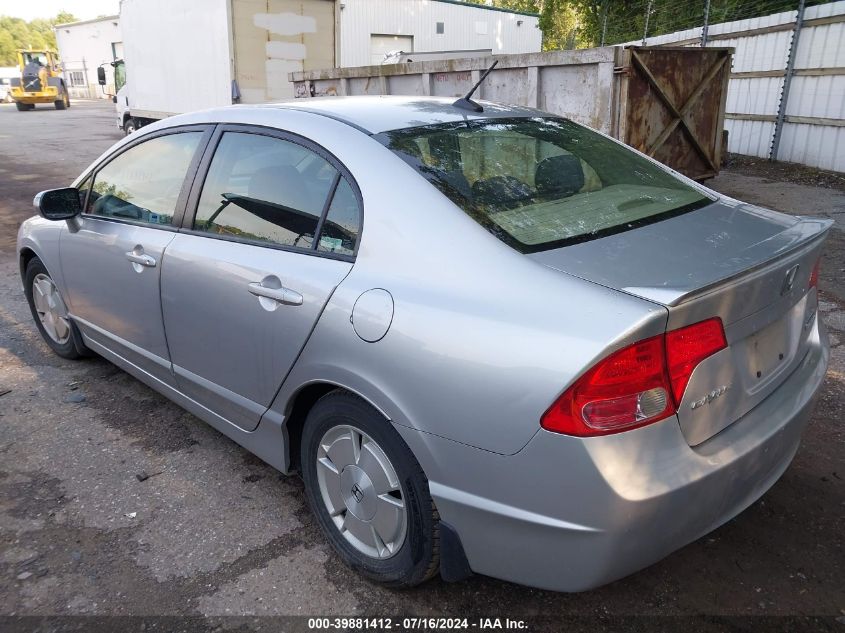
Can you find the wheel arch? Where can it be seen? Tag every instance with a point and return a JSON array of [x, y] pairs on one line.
[[25, 256], [300, 404]]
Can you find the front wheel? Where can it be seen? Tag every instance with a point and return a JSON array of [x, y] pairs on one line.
[[50, 313], [130, 126], [368, 492], [23, 107], [62, 103]]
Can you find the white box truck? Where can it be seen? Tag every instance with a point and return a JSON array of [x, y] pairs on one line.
[[184, 55]]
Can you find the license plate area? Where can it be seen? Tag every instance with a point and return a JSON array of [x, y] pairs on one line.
[[766, 355]]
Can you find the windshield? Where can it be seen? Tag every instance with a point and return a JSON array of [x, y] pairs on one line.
[[542, 183]]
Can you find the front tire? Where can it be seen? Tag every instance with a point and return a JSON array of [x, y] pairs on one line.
[[50, 313], [62, 103], [368, 493], [24, 107], [130, 126]]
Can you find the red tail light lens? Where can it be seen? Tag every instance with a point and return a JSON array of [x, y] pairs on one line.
[[635, 386], [627, 389], [687, 347], [814, 276]]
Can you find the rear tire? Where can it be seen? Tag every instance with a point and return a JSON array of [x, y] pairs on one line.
[[50, 314], [23, 107], [389, 537]]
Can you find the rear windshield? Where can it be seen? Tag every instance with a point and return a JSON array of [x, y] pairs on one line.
[[542, 183]]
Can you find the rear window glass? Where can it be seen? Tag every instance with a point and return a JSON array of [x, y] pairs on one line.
[[542, 183]]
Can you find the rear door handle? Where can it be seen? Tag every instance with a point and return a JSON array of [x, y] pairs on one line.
[[141, 258], [282, 295]]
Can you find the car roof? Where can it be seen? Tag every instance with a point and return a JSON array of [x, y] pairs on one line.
[[376, 114]]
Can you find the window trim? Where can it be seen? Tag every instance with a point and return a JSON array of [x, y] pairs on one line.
[[192, 202], [179, 211]]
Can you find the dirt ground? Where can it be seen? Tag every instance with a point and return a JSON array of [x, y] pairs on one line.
[[212, 531]]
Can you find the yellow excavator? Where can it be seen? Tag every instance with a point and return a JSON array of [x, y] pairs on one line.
[[40, 81]]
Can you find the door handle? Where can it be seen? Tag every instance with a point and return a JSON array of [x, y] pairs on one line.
[[281, 295], [141, 258]]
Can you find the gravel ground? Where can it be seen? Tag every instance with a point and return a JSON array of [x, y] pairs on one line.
[[114, 502]]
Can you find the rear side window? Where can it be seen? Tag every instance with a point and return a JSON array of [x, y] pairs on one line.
[[143, 183], [542, 183], [340, 230], [265, 189]]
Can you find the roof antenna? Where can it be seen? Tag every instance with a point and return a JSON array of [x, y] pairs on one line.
[[468, 104]]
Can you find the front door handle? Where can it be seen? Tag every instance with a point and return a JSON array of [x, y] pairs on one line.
[[143, 259], [281, 295]]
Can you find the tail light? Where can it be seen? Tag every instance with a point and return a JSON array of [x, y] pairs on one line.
[[635, 386], [814, 276], [687, 347]]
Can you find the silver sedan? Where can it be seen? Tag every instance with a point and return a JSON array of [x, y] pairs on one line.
[[490, 341]]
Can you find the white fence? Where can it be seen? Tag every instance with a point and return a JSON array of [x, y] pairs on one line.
[[814, 123]]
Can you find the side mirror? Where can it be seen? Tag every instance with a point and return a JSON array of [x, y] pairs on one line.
[[101, 75], [58, 204]]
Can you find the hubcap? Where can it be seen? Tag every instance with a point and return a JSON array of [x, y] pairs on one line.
[[50, 308], [361, 491]]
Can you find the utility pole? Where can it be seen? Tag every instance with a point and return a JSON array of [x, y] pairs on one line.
[[647, 15], [706, 23], [787, 81], [603, 22]]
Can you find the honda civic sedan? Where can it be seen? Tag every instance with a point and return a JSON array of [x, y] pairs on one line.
[[490, 340]]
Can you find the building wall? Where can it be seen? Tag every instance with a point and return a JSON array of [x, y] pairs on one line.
[[464, 28], [83, 46]]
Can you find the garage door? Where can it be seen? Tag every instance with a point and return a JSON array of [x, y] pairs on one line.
[[277, 37], [381, 45]]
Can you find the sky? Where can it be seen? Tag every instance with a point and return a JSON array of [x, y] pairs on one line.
[[82, 9]]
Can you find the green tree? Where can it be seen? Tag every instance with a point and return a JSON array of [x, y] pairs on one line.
[[37, 34], [626, 18]]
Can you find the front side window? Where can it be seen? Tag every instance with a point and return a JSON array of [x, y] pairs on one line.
[[83, 188], [265, 189], [143, 183], [541, 183]]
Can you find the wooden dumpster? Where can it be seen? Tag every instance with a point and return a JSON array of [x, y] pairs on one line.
[[666, 102]]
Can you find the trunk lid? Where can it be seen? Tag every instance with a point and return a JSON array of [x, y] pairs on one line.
[[747, 265]]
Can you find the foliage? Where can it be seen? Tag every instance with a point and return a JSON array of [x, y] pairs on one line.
[[626, 18], [16, 33]]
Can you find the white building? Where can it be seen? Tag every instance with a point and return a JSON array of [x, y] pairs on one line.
[[85, 45], [369, 29]]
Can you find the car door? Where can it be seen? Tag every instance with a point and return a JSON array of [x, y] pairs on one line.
[[111, 255], [274, 232]]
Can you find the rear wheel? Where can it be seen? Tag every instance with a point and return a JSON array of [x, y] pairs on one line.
[[50, 313], [368, 492], [23, 107]]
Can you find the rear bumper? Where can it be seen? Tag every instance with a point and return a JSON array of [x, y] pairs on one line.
[[570, 514]]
